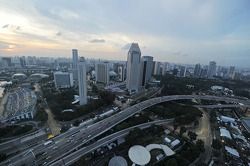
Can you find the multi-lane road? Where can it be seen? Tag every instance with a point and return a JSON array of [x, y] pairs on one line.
[[74, 139], [73, 157]]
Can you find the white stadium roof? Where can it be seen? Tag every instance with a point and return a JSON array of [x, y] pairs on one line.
[[232, 151], [166, 149], [225, 133], [139, 155], [118, 161]]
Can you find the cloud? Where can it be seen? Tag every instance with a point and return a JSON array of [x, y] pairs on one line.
[[11, 27], [97, 41], [7, 46], [5, 26], [58, 34]]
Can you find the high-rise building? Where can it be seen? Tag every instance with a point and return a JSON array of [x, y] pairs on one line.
[[133, 68], [183, 71], [82, 82], [63, 79], [15, 61], [146, 69], [121, 72], [197, 70], [231, 72], [211, 69], [102, 73], [22, 61], [157, 68], [75, 63]]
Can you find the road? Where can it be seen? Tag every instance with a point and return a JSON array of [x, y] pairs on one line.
[[204, 133], [64, 145], [70, 159], [22, 143]]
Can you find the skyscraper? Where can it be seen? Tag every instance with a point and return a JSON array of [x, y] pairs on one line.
[[231, 72], [197, 70], [211, 69], [75, 63], [157, 68], [82, 83], [146, 69], [102, 73], [183, 71], [133, 68]]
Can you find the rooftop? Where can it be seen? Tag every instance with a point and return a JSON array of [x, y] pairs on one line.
[[225, 133], [139, 155]]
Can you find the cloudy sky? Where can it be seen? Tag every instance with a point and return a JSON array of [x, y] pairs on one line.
[[182, 31]]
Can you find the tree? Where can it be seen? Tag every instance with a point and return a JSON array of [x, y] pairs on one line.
[[172, 162], [107, 97], [200, 145], [175, 126], [192, 135], [216, 144], [183, 129], [94, 88], [3, 157]]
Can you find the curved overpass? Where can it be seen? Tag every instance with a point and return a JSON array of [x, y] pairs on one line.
[[87, 134]]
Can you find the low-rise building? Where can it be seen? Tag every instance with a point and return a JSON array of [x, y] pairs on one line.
[[63, 79]]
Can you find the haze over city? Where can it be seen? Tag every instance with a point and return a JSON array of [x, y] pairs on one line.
[[182, 31]]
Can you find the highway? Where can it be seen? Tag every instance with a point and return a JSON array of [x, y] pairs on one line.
[[22, 143], [222, 106], [71, 140], [73, 157]]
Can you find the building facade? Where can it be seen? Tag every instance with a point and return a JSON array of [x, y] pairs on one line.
[[82, 82], [211, 69], [75, 63], [102, 73], [197, 70], [63, 79], [146, 70], [133, 68], [121, 72]]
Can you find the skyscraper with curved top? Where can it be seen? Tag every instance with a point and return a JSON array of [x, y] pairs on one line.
[[133, 68]]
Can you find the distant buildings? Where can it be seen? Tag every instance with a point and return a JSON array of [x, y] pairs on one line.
[[133, 68], [146, 70], [158, 70], [82, 83], [75, 63], [63, 79], [121, 72], [183, 71], [231, 72], [211, 69], [197, 70], [102, 73]]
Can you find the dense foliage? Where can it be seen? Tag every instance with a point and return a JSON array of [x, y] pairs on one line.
[[14, 130]]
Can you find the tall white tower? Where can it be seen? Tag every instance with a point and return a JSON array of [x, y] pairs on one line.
[[75, 63], [133, 68], [82, 83]]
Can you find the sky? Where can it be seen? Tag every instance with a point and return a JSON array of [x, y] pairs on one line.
[[180, 31]]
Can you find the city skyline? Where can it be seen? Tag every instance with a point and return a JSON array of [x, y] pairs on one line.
[[187, 32]]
